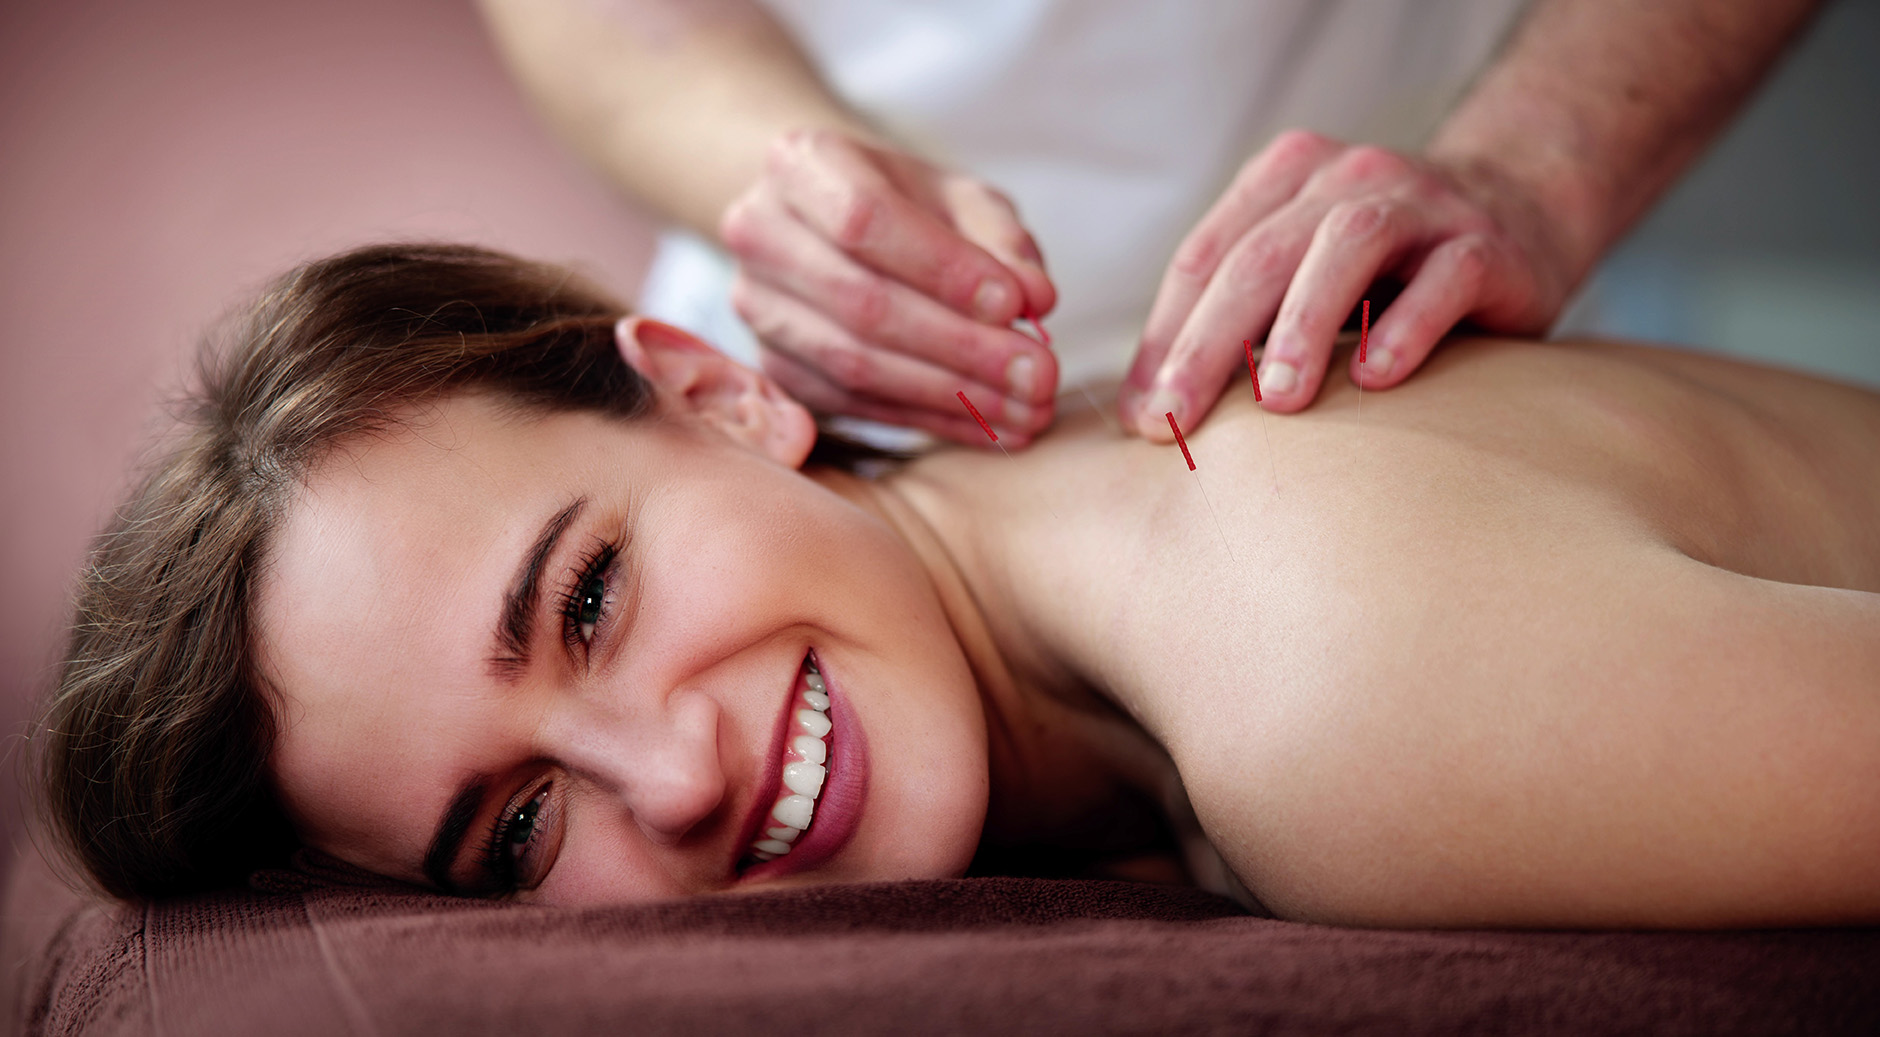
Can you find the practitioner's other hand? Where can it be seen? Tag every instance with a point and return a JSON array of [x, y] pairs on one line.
[[881, 286], [1306, 227]]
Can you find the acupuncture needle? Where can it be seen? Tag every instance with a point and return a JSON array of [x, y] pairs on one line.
[[1186, 456], [974, 411], [1254, 373], [1044, 337], [1364, 333]]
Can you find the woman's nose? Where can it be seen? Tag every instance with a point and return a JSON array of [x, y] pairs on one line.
[[664, 765]]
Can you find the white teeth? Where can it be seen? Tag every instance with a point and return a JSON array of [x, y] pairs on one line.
[[795, 811], [804, 779], [815, 750], [812, 723]]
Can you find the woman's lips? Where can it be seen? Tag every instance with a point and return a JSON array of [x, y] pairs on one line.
[[837, 807], [770, 779]]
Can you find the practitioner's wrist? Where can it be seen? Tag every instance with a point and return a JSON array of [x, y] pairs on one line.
[[1542, 197]]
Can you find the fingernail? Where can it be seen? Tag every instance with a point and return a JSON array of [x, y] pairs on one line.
[[1278, 376], [1378, 362], [989, 300], [1162, 404], [1021, 376]]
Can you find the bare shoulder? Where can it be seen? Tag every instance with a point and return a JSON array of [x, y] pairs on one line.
[[1636, 739], [1553, 635]]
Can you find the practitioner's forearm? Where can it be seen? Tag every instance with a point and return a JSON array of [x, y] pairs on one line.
[[1597, 106], [674, 100]]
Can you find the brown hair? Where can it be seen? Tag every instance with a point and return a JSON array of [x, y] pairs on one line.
[[154, 744]]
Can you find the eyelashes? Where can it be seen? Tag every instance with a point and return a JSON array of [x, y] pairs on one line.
[[511, 844], [510, 839], [586, 599]]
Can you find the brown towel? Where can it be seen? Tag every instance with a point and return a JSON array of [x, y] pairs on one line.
[[320, 953]]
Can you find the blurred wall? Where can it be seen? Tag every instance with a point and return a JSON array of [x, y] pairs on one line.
[[158, 161], [1770, 247]]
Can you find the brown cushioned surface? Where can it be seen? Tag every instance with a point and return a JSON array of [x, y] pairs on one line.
[[311, 954]]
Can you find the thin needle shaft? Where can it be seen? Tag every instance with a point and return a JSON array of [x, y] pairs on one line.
[[1218, 528], [1092, 400], [1186, 456], [974, 411], [1045, 338], [1253, 373]]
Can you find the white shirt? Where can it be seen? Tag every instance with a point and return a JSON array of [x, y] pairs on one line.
[[1112, 124]]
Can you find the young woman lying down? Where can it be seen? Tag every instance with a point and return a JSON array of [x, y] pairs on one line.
[[462, 578]]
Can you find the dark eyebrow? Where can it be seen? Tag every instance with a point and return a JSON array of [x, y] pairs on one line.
[[451, 829], [516, 626]]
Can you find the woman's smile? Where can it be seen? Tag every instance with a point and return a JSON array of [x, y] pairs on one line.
[[811, 801], [629, 750]]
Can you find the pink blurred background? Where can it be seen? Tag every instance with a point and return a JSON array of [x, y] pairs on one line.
[[160, 161]]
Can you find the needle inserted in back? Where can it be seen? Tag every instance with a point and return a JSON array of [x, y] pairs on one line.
[[974, 411], [1254, 373], [1045, 338], [1186, 456], [1364, 333]]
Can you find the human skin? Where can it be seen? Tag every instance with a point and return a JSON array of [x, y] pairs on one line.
[[879, 283], [688, 107], [383, 590], [1590, 113], [1561, 635]]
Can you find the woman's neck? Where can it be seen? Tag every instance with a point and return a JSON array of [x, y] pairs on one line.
[[999, 556]]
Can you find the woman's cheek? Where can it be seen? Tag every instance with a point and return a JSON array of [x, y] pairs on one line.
[[603, 858]]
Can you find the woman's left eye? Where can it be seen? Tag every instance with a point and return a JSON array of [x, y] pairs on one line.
[[587, 606]]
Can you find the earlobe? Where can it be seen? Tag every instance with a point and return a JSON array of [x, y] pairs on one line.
[[697, 380]]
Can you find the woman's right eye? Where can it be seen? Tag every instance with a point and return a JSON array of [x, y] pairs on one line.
[[526, 843], [522, 826]]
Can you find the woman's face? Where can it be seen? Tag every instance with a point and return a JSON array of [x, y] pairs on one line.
[[570, 655]]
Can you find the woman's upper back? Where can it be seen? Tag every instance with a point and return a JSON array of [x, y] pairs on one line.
[[1762, 472], [1552, 634]]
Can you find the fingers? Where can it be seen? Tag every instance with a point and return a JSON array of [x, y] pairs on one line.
[[1299, 239], [1356, 241], [852, 377], [1447, 288], [1265, 184], [1239, 301], [881, 314], [809, 387], [831, 184], [988, 219]]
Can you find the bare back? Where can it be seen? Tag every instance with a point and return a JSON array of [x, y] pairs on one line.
[[1553, 634]]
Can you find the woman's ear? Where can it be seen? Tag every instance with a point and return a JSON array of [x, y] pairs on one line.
[[692, 377]]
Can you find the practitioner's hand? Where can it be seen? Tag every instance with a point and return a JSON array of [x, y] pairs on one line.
[[1303, 231], [881, 286]]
